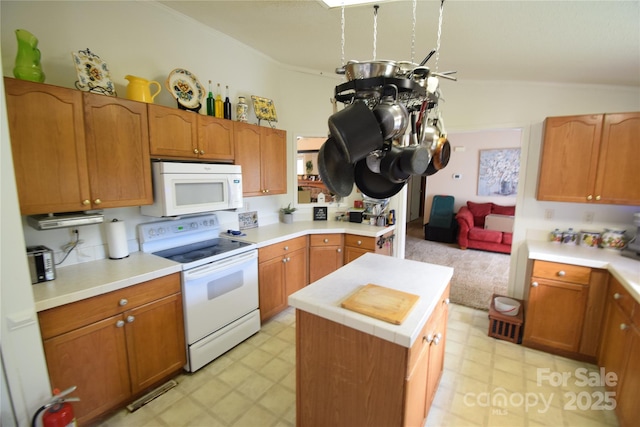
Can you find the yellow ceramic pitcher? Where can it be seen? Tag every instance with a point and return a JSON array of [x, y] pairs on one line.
[[138, 89]]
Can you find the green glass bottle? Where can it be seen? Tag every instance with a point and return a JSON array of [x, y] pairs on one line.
[[211, 109]]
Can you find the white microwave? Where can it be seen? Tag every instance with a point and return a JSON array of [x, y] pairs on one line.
[[190, 188]]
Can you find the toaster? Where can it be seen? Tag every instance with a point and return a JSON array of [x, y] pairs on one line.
[[41, 265]]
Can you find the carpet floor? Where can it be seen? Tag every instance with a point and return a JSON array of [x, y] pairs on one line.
[[476, 274]]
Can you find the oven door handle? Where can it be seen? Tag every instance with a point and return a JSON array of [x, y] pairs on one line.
[[216, 266]]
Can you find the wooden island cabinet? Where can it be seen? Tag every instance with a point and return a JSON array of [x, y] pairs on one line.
[[354, 370], [116, 346]]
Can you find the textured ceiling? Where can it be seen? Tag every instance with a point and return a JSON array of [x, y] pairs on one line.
[[590, 42]]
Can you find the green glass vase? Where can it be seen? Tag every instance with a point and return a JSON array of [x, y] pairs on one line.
[[28, 58]]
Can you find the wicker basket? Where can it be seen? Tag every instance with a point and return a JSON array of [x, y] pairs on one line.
[[501, 326]]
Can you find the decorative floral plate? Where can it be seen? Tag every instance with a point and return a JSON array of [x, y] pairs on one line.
[[93, 73], [264, 108], [186, 88]]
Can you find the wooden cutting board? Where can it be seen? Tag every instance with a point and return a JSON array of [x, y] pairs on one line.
[[382, 303]]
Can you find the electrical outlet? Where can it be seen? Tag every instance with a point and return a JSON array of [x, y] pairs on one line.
[[548, 214], [588, 217]]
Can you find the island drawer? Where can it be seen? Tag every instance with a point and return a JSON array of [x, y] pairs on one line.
[[562, 272], [68, 317]]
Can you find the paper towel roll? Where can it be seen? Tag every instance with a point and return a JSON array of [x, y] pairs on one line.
[[117, 239]]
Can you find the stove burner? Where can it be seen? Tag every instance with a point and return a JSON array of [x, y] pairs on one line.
[[200, 250]]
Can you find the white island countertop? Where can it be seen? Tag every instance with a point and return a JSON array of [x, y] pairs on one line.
[[626, 270], [428, 281]]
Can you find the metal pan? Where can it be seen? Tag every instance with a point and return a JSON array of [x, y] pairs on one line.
[[336, 173], [373, 184]]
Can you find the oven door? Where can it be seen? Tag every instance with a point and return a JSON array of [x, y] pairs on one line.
[[218, 293]]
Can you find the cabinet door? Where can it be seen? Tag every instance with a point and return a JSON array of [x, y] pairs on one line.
[[416, 390], [48, 146], [613, 347], [272, 288], [324, 260], [247, 149], [351, 253], [628, 408], [569, 158], [436, 357], [555, 314], [215, 138], [117, 135], [172, 132], [273, 153], [155, 341], [618, 164], [93, 358], [296, 269]]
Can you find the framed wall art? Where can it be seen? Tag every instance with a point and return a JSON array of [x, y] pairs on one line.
[[499, 172]]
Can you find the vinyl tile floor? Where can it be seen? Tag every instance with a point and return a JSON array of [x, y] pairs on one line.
[[486, 382]]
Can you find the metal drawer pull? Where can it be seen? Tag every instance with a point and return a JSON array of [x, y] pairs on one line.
[[326, 240], [447, 301], [123, 302], [534, 284], [561, 273], [130, 319], [617, 296], [359, 242], [119, 323], [339, 250], [437, 339], [427, 338], [624, 326], [286, 248]]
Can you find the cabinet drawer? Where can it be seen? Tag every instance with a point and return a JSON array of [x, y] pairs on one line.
[[325, 240], [71, 316], [436, 324], [562, 272], [282, 248], [621, 296], [360, 242]]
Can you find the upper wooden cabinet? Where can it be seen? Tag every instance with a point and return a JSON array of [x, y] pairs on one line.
[[262, 153], [179, 134], [75, 151], [591, 159]]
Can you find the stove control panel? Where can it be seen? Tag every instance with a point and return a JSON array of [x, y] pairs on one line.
[[176, 228]]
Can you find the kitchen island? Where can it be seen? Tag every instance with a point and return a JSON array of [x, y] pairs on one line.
[[355, 370]]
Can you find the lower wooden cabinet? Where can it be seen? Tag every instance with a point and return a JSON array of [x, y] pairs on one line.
[[325, 255], [345, 377], [282, 270], [564, 309], [115, 346], [619, 350]]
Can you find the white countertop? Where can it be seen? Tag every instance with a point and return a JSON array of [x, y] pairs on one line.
[[626, 270], [275, 233], [88, 279], [428, 281]]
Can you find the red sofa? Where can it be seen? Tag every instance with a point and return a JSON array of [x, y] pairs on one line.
[[471, 231]]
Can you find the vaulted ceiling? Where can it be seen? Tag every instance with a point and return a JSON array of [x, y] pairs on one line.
[[585, 42]]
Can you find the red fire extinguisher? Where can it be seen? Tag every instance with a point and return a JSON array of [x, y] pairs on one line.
[[58, 412]]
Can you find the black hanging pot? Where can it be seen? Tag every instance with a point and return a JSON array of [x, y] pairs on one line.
[[336, 173], [374, 184], [356, 131], [390, 166], [392, 115]]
